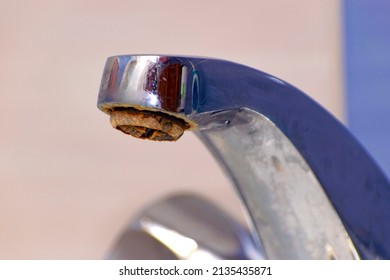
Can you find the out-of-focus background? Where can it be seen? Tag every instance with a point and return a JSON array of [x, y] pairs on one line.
[[69, 183]]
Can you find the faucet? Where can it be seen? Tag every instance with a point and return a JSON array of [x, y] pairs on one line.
[[184, 226], [308, 187]]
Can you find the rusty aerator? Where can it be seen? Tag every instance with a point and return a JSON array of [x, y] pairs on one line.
[[309, 188], [145, 124]]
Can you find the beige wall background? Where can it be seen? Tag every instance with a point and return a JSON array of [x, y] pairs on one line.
[[68, 182]]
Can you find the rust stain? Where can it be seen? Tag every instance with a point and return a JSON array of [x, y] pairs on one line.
[[169, 84], [113, 75]]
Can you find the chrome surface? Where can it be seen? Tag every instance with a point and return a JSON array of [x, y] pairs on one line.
[[307, 185], [139, 245], [284, 199], [184, 227]]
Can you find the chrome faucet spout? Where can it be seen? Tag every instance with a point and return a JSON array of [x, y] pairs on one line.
[[311, 191]]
